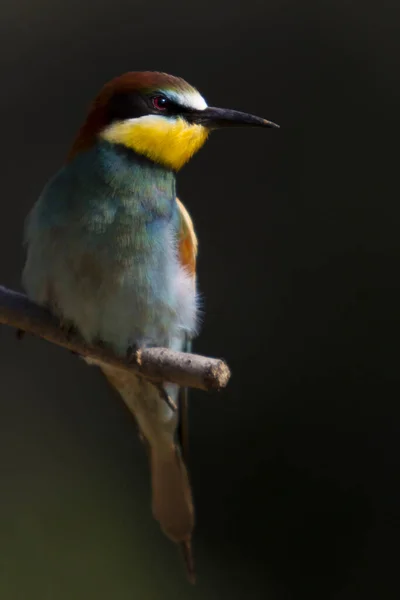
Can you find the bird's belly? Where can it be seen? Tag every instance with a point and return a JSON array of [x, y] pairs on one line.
[[121, 289], [130, 293]]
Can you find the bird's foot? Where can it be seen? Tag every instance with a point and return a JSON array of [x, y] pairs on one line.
[[19, 334], [101, 344], [131, 352], [68, 328]]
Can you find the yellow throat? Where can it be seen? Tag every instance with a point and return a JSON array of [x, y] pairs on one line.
[[170, 142]]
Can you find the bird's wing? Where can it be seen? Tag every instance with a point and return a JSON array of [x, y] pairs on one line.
[[187, 254], [187, 241], [183, 404]]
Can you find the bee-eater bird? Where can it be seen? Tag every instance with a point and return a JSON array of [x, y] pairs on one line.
[[112, 252]]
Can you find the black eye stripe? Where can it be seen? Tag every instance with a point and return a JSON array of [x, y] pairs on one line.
[[131, 105], [167, 105], [126, 106]]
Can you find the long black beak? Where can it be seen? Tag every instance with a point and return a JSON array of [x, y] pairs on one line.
[[214, 118]]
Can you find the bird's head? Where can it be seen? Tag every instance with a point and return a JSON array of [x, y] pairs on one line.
[[156, 115]]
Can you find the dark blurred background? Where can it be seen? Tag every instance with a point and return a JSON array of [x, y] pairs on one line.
[[295, 466]]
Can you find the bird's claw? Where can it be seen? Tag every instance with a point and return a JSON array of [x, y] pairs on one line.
[[131, 352], [68, 328]]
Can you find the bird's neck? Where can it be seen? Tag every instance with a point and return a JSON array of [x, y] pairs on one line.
[[130, 173]]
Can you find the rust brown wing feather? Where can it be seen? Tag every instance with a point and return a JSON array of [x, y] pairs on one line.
[[188, 255], [187, 241]]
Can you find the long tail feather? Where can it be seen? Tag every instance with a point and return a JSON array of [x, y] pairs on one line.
[[187, 553], [171, 494], [172, 502]]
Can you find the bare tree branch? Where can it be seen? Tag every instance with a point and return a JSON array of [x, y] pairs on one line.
[[156, 364]]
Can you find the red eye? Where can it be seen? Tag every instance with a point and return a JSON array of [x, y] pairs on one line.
[[160, 102]]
